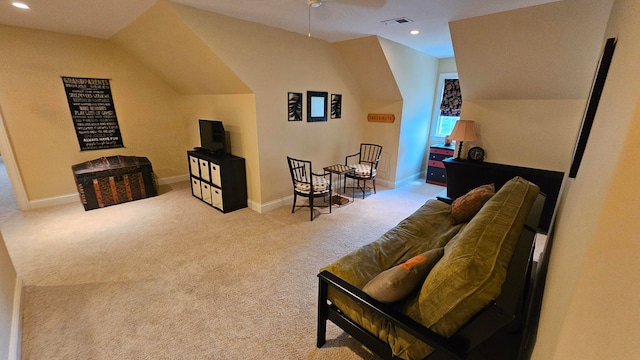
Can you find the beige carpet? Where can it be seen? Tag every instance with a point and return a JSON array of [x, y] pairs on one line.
[[171, 278]]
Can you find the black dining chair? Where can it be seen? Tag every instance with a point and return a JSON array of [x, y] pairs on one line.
[[307, 184], [365, 167]]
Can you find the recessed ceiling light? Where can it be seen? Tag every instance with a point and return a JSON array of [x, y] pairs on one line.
[[20, 5], [415, 32]]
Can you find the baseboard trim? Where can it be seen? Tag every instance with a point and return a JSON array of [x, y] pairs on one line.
[[71, 198], [53, 201], [15, 339], [173, 179], [272, 205]]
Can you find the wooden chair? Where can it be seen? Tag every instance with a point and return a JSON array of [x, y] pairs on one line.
[[366, 167], [307, 184]]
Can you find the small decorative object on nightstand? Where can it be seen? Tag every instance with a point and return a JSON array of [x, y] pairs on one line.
[[436, 173], [476, 153]]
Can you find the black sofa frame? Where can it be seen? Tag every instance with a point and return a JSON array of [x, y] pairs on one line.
[[498, 331]]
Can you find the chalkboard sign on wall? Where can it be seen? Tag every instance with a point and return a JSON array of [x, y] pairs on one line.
[[93, 113]]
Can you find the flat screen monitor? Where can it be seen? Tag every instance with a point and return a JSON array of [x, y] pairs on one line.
[[212, 136]]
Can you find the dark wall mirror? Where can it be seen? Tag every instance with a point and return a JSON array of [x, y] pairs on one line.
[[317, 104]]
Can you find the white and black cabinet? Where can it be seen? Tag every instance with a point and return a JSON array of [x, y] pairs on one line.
[[219, 180]]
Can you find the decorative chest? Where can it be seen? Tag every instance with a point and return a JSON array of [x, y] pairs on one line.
[[113, 180]]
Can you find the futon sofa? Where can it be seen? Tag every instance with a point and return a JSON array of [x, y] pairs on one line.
[[451, 281]]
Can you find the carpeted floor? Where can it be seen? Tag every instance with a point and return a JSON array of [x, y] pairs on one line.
[[171, 278]]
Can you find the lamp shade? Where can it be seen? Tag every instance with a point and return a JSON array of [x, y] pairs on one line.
[[464, 131]]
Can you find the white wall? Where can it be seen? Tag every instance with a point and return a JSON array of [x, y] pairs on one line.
[[416, 75]]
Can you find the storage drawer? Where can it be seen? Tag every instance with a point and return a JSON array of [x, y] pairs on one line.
[[437, 157], [204, 170], [194, 166], [215, 175], [438, 164], [206, 192], [437, 176], [196, 189], [446, 152], [216, 198]]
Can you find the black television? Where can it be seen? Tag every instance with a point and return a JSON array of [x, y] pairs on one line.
[[212, 136]]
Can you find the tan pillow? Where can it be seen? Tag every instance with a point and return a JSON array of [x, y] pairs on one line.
[[394, 284], [467, 206]]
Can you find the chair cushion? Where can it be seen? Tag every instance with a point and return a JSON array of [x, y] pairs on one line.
[[320, 185], [363, 170]]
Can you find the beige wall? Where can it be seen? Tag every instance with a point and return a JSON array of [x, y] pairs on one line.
[[8, 280], [403, 85], [525, 76], [539, 52], [380, 94], [273, 62], [238, 113], [176, 64], [38, 120], [590, 307], [532, 133]]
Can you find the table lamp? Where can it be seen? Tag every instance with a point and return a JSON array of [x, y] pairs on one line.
[[463, 131]]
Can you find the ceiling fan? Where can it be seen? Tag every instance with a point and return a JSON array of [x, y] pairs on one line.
[[312, 4]]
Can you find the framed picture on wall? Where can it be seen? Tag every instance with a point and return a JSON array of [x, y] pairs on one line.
[[592, 105], [317, 104], [336, 106], [295, 106]]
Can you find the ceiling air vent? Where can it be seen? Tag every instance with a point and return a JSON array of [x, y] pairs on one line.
[[401, 20]]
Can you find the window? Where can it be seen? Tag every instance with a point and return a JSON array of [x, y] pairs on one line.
[[447, 106], [445, 125]]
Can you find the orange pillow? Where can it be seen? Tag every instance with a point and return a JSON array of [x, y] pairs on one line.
[[399, 281], [467, 206]]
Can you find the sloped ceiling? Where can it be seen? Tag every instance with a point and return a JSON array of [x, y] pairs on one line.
[[543, 52], [368, 64], [174, 52]]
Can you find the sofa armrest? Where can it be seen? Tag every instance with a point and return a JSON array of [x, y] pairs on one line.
[[399, 320]]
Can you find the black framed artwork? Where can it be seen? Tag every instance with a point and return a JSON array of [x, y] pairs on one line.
[[317, 104], [336, 106], [592, 105], [295, 106]]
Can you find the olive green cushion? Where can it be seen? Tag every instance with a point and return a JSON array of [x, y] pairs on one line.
[[394, 284], [472, 270]]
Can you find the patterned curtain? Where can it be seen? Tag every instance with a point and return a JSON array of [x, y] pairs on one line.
[[451, 98]]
